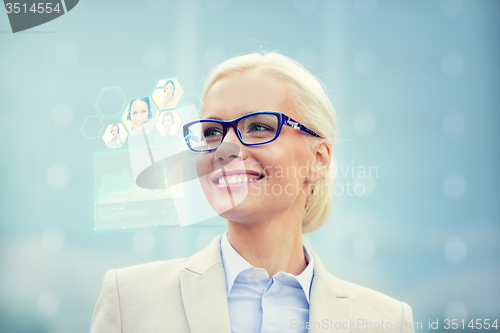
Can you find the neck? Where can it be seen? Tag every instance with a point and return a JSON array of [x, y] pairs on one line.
[[273, 245]]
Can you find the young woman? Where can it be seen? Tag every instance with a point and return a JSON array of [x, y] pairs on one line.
[[139, 113], [168, 95], [116, 141], [270, 124]]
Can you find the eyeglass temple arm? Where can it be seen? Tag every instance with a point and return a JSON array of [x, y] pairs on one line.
[[298, 126]]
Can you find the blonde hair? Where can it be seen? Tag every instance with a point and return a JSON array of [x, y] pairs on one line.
[[310, 101]]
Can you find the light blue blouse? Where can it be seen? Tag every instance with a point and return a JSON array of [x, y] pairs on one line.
[[259, 304]]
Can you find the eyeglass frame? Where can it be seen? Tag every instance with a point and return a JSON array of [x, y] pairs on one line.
[[283, 119]]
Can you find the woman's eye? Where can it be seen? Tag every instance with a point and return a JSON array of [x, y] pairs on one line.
[[211, 132], [256, 127]]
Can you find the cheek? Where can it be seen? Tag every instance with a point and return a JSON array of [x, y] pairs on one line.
[[288, 165]]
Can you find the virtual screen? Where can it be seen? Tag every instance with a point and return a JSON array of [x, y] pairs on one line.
[[147, 175]]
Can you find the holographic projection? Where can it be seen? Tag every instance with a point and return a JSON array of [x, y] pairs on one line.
[[120, 203], [145, 174]]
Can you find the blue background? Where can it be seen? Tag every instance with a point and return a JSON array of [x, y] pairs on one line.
[[415, 85]]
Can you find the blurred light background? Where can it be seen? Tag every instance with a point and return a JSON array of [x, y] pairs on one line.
[[416, 88]]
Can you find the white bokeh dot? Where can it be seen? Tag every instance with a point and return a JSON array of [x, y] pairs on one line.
[[455, 250], [365, 7], [57, 177], [364, 248], [62, 115], [452, 64], [364, 62], [364, 122], [53, 240], [305, 6], [213, 56], [217, 6], [67, 55], [453, 124], [154, 56], [451, 8], [144, 242], [454, 186], [306, 57], [48, 303], [456, 310]]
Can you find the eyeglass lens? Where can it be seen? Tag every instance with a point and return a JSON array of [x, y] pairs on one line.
[[253, 129]]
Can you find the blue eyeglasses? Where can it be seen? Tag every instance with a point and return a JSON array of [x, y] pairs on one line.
[[252, 129]]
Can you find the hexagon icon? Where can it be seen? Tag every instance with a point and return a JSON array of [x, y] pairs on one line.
[[92, 127], [110, 102], [140, 115], [167, 94], [168, 123], [115, 135]]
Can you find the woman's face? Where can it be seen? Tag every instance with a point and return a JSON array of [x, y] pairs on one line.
[[169, 90], [277, 171], [139, 115]]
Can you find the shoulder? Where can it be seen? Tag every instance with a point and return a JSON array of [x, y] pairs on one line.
[[167, 273], [369, 297], [154, 281], [136, 298], [368, 309], [372, 305], [156, 267], [365, 304], [150, 275]]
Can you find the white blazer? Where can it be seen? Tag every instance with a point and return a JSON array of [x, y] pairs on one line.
[[189, 295]]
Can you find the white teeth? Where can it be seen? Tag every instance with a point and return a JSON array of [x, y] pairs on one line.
[[237, 180]]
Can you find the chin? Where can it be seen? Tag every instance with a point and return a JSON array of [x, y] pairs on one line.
[[244, 213], [225, 202]]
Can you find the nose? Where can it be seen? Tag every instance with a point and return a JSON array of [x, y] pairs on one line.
[[228, 149], [225, 154]]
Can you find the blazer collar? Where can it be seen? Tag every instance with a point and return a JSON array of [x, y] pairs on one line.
[[330, 302], [203, 289], [204, 295]]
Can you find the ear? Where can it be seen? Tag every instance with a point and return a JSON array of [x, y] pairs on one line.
[[322, 156]]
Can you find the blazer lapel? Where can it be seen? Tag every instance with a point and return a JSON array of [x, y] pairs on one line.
[[330, 308], [204, 293]]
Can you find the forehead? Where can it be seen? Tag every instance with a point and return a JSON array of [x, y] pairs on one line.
[[139, 105], [233, 96]]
